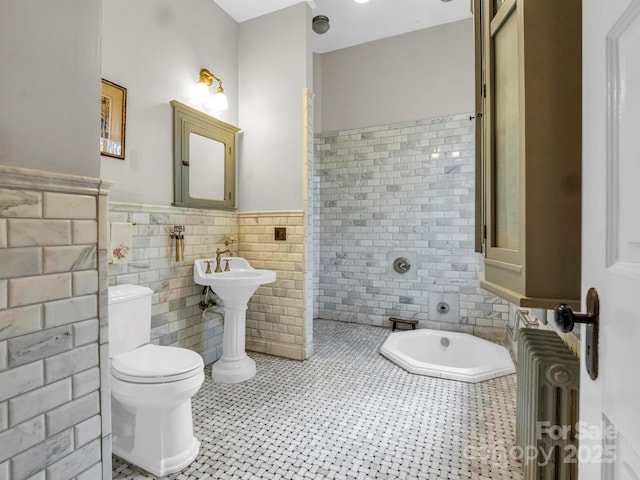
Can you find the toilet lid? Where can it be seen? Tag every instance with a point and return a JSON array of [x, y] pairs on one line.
[[156, 364]]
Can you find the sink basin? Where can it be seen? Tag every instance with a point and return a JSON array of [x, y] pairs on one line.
[[234, 288]]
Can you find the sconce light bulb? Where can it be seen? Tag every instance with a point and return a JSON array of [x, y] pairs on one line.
[[219, 102], [201, 92]]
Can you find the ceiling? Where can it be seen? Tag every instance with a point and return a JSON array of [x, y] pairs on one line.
[[355, 23]]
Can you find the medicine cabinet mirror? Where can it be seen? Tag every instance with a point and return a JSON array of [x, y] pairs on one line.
[[204, 151]]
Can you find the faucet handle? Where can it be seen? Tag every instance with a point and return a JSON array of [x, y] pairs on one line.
[[208, 262], [226, 265]]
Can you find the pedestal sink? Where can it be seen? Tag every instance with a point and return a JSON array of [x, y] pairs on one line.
[[234, 288]]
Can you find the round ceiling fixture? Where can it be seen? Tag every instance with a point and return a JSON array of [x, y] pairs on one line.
[[361, 1], [320, 24]]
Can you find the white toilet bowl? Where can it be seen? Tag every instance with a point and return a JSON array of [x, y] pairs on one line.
[[151, 390]]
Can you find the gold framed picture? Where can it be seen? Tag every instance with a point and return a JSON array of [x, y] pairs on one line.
[[113, 111]]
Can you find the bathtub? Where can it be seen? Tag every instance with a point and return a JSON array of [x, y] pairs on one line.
[[450, 355]]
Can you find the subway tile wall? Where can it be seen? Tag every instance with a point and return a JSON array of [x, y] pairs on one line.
[[50, 327], [314, 220], [176, 316], [276, 314], [402, 190], [311, 241]]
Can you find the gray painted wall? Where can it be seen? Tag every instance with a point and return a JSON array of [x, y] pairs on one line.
[[418, 75], [275, 65], [156, 48], [50, 85]]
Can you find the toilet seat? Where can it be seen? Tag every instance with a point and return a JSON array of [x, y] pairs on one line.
[[156, 364]]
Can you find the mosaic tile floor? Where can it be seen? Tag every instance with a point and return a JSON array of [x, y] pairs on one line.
[[348, 413]]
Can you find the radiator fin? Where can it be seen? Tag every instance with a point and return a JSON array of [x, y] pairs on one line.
[[547, 406]]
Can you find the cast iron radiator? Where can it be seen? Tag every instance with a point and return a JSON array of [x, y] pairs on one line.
[[547, 406]]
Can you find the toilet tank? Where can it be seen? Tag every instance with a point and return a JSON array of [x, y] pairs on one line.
[[129, 318]]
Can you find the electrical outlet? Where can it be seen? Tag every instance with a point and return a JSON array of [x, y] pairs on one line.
[[280, 233]]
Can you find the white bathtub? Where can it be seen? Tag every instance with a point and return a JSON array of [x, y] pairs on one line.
[[451, 355]]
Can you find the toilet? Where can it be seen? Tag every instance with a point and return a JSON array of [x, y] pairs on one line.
[[151, 388]]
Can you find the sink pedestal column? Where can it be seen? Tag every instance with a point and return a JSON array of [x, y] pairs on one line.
[[234, 365], [234, 287]]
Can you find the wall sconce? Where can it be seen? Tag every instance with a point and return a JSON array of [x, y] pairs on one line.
[[219, 101]]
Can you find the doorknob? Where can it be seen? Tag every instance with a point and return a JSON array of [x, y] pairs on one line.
[[566, 319]]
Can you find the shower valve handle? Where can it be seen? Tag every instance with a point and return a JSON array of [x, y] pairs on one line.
[[401, 265]]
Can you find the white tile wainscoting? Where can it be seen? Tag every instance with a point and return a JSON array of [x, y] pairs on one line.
[[176, 316], [277, 313], [276, 316], [53, 326]]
